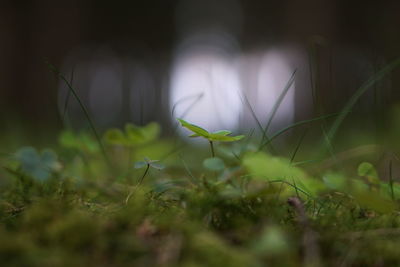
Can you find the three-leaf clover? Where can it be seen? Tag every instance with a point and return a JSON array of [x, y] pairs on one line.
[[221, 136], [37, 165], [145, 163], [148, 163]]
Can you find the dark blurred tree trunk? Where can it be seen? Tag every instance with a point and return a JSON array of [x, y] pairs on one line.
[[33, 32]]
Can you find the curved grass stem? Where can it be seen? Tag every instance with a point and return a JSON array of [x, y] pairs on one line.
[[138, 184], [85, 111]]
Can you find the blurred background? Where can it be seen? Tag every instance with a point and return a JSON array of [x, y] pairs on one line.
[[220, 64]]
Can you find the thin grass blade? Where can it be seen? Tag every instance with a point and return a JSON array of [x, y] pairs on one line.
[[353, 100], [84, 109], [277, 105]]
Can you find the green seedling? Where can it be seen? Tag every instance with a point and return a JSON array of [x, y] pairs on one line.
[[132, 137], [221, 136], [148, 163], [37, 165]]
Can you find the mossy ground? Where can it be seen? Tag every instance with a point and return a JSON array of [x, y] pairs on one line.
[[71, 208]]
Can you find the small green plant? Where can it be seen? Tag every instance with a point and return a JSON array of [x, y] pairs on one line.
[[252, 210], [148, 163], [221, 136], [37, 165]]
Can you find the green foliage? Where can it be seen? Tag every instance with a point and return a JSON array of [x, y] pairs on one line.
[[221, 136], [268, 167], [82, 142], [133, 135], [37, 165], [335, 181], [368, 171], [263, 166], [226, 210]]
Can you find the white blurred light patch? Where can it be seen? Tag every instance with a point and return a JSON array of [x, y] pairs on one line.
[[205, 88], [265, 76]]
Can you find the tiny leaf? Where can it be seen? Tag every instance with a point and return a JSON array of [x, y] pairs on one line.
[[221, 135], [140, 164], [194, 128], [222, 132], [157, 166], [38, 166], [223, 138]]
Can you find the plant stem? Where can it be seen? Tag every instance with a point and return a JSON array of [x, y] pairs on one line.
[[85, 111], [144, 174], [212, 149], [138, 184]]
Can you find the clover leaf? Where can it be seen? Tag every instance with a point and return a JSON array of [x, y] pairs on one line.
[[150, 163], [38, 166], [222, 135]]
